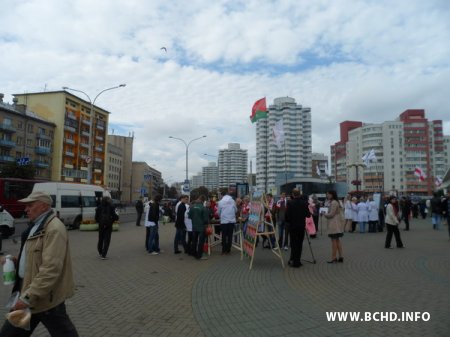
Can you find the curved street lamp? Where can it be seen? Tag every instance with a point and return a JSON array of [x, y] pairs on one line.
[[187, 151], [92, 103]]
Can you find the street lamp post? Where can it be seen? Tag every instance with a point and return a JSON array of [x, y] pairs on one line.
[[357, 182], [92, 103], [187, 152]]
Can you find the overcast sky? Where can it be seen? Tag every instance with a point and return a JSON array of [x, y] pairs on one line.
[[346, 60]]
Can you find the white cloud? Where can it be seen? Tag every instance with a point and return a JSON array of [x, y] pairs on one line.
[[346, 60]]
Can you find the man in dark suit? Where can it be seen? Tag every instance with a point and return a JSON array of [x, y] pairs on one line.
[[296, 213]]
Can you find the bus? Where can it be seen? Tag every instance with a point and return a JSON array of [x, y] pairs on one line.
[[12, 190]]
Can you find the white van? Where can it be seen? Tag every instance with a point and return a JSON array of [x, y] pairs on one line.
[[74, 202]]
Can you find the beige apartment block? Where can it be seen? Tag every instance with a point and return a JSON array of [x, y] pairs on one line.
[[118, 170]]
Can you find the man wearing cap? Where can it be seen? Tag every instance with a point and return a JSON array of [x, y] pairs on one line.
[[43, 271]]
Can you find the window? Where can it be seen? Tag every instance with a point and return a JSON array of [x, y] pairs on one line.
[[70, 201], [19, 125], [30, 128]]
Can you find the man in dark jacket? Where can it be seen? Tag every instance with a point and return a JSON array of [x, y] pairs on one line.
[[296, 213], [180, 227], [436, 211], [139, 210], [105, 215], [200, 218], [152, 226]]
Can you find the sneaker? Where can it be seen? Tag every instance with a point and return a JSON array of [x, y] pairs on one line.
[[104, 258], [177, 252], [204, 258], [286, 248], [154, 253]]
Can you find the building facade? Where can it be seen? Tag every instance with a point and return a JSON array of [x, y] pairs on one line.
[[197, 180], [145, 182], [79, 153], [118, 168], [26, 138], [412, 141], [232, 165], [211, 176], [275, 165]]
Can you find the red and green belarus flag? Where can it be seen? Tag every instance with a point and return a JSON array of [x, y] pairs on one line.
[[259, 110]]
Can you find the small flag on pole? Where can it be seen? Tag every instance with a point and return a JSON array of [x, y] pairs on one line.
[[418, 172], [438, 181], [259, 110], [318, 170], [369, 157]]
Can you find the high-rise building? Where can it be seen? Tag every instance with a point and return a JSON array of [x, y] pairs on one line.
[[276, 164], [211, 176], [197, 180], [25, 138], [232, 165], [119, 167], [400, 146], [79, 150]]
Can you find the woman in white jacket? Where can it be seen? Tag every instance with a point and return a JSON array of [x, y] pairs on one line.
[[348, 213], [373, 214], [392, 222], [363, 215]]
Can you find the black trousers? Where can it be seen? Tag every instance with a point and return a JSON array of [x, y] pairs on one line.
[[55, 320], [138, 219], [297, 234], [104, 239], [393, 230], [198, 240], [227, 236]]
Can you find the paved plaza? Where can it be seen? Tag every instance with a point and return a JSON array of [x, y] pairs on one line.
[[136, 294]]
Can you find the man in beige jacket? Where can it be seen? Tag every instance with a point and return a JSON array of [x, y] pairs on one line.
[[43, 271]]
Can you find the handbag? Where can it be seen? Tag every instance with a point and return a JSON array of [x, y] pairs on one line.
[[309, 225]]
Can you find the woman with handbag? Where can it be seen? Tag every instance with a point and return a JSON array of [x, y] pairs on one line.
[[334, 227], [392, 221]]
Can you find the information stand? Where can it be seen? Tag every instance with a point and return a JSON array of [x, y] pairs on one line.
[[257, 226], [215, 239]]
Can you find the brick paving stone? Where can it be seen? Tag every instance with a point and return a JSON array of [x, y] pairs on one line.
[[135, 294]]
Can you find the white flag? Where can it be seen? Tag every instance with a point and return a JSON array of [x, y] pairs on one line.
[[438, 181], [365, 159], [278, 133], [369, 157], [318, 170]]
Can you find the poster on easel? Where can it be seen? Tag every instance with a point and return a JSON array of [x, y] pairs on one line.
[[259, 226]]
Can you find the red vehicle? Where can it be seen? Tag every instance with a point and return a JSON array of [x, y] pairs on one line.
[[12, 190]]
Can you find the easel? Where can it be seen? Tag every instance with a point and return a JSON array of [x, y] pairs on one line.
[[257, 227]]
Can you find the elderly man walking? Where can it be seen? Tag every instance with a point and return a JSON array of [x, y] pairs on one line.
[[44, 271]]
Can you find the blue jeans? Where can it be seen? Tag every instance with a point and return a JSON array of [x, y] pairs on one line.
[[436, 220], [153, 240], [362, 226], [180, 238], [55, 320]]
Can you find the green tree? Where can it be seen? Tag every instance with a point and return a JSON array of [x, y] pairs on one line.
[[12, 170], [202, 190]]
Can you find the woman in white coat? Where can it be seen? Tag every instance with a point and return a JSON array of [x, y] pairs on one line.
[[363, 215], [373, 215], [348, 213]]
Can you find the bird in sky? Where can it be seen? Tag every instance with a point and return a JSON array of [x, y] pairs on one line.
[[164, 48]]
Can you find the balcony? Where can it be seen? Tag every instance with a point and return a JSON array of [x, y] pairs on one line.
[[7, 158], [41, 164], [99, 138], [98, 160], [69, 166], [69, 154], [7, 128], [85, 145], [70, 128], [42, 150], [86, 122], [69, 141], [43, 136], [97, 170], [71, 116], [83, 168], [85, 133], [100, 127], [67, 179], [99, 149], [7, 143]]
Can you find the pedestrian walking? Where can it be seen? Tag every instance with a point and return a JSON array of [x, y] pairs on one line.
[[392, 221], [180, 226], [200, 218], [151, 225], [44, 274], [105, 215]]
